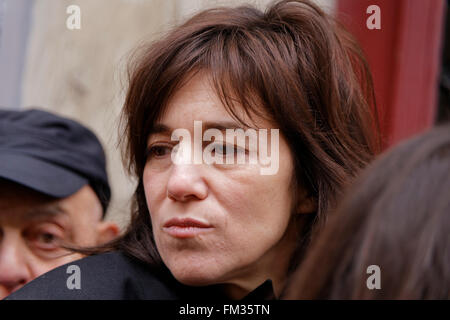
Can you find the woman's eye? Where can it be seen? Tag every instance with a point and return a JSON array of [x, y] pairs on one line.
[[224, 149], [158, 151], [219, 149]]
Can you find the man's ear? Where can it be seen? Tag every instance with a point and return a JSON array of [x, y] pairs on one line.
[[106, 231]]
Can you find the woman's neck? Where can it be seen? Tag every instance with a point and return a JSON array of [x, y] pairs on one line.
[[273, 266]]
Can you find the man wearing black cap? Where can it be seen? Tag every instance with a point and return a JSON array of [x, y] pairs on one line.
[[54, 191]]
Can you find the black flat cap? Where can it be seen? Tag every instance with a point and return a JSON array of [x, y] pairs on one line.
[[53, 155]]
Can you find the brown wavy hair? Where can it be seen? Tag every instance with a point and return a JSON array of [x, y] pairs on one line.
[[397, 216], [293, 64]]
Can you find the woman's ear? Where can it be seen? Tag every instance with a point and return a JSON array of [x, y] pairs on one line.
[[306, 205], [305, 202], [106, 231]]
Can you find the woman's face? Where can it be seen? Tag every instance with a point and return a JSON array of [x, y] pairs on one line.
[[216, 223]]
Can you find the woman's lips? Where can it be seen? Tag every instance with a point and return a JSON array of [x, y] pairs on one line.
[[186, 227]]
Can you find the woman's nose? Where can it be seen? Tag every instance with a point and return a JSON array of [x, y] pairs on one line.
[[186, 183]]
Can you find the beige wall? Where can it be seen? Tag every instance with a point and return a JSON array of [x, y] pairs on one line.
[[80, 73]]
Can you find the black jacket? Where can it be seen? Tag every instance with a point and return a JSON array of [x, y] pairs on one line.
[[115, 276]]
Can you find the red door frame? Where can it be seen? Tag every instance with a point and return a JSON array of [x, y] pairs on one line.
[[404, 56]]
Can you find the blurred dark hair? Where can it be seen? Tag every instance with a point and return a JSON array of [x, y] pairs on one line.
[[397, 216], [292, 64]]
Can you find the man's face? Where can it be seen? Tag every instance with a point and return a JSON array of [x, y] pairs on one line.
[[33, 227]]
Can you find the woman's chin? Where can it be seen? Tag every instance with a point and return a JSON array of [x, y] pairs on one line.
[[196, 276]]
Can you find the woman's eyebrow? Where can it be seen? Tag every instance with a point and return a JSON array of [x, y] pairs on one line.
[[222, 125], [160, 128]]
